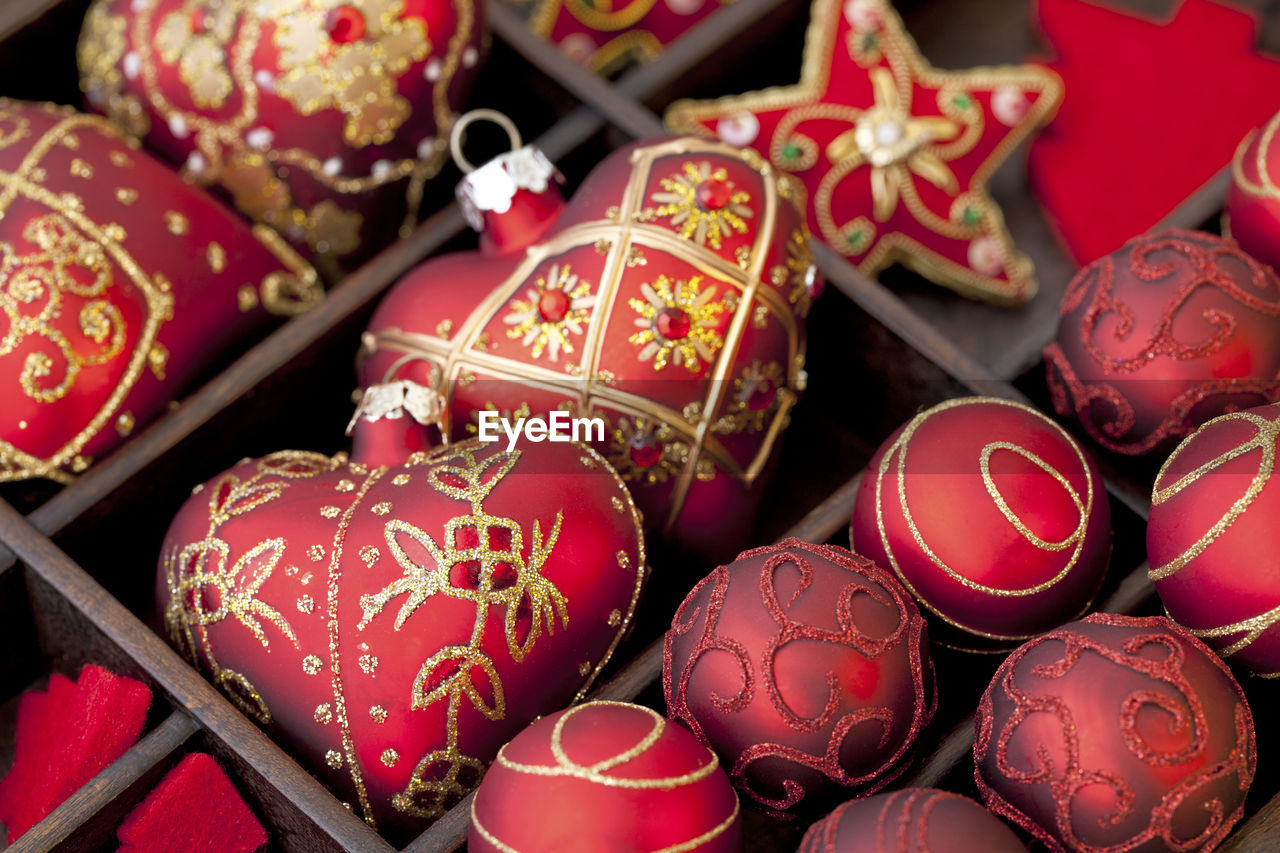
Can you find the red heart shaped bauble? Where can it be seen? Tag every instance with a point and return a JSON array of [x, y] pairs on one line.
[[395, 625], [667, 300], [1212, 538], [1253, 202], [1163, 334], [991, 514], [913, 820], [605, 776], [806, 668], [1116, 733], [321, 118], [118, 282]]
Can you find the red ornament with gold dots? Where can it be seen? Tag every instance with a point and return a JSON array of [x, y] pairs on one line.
[[323, 120], [668, 300], [118, 282]]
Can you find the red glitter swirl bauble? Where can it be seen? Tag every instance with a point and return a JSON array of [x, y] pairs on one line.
[[913, 820], [990, 513], [605, 776], [1253, 203], [1165, 333], [1212, 536], [1116, 733], [805, 667]]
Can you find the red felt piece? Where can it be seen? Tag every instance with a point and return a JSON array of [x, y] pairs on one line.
[[66, 736], [1152, 111], [166, 821]]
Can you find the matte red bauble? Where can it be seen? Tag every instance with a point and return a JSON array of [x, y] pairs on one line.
[[395, 625], [1253, 202], [1212, 539], [320, 118], [605, 776], [805, 667], [1116, 733], [913, 820], [1165, 333], [118, 282], [667, 300], [990, 513]]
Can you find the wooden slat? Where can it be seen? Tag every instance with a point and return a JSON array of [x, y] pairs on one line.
[[184, 685], [107, 785]]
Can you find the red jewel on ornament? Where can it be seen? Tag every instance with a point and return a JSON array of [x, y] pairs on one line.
[[553, 305], [714, 194], [751, 661], [1116, 733], [345, 24], [645, 451], [761, 396], [198, 20], [672, 323]]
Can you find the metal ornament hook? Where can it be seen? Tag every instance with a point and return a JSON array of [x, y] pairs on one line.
[[470, 117]]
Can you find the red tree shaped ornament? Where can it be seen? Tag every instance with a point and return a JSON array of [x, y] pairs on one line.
[[117, 283], [668, 300], [396, 624], [321, 118]]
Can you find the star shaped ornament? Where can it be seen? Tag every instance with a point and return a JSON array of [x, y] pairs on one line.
[[895, 155]]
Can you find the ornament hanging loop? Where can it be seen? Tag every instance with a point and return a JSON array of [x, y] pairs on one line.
[[467, 119]]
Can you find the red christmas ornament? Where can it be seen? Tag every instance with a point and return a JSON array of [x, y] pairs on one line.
[[1132, 121], [1253, 203], [396, 624], [913, 820], [604, 37], [1162, 335], [118, 282], [605, 776], [1212, 536], [895, 155], [166, 821], [1116, 733], [676, 323], [323, 120], [823, 678], [990, 513]]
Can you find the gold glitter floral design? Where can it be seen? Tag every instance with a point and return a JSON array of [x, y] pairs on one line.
[[68, 275], [754, 398], [689, 200], [481, 560], [358, 76], [646, 450], [797, 273], [195, 37], [202, 591], [553, 308], [678, 322]]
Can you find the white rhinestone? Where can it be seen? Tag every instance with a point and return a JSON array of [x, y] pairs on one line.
[[432, 70], [178, 126], [381, 168], [332, 166], [260, 138], [196, 162], [888, 132], [265, 79], [470, 57], [426, 147], [132, 65], [740, 129]]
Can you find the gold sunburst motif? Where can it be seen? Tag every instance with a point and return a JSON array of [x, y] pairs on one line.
[[678, 322], [702, 203], [647, 450], [754, 398], [798, 271], [554, 308]]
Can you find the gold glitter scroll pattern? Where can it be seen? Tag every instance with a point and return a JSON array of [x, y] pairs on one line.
[[1264, 441], [481, 561], [203, 591], [894, 464]]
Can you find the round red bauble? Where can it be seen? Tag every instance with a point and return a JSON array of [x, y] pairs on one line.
[[395, 625], [605, 776], [1212, 536], [323, 120], [1162, 335], [805, 667], [119, 283], [1117, 733], [990, 513], [1253, 202], [913, 820]]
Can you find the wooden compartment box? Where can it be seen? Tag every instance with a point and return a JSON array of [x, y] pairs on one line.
[[77, 564]]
